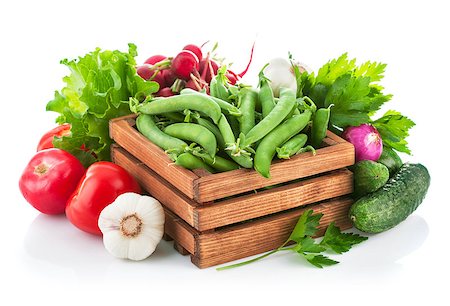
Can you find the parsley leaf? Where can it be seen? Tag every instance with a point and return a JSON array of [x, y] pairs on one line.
[[306, 226], [306, 246], [340, 242], [394, 128], [319, 260]]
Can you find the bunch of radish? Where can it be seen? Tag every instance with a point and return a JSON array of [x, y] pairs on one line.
[[188, 69]]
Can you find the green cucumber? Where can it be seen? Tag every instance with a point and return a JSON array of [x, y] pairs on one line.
[[390, 205], [391, 160], [368, 177]]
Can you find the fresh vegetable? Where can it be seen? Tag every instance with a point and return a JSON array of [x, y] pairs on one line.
[[179, 103], [49, 179], [147, 126], [273, 119], [281, 75], [367, 141], [46, 141], [391, 160], [217, 162], [265, 94], [267, 147], [191, 162], [132, 226], [294, 146], [308, 248], [97, 89], [243, 158], [99, 187], [194, 133], [247, 102], [185, 63], [368, 177], [390, 205], [320, 126]]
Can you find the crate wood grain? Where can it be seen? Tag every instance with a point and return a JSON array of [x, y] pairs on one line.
[[238, 241], [206, 216], [202, 186]]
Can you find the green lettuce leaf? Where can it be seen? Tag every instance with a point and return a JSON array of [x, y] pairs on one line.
[[97, 89]]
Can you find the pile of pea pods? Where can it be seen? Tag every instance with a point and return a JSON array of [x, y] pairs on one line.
[[232, 126]]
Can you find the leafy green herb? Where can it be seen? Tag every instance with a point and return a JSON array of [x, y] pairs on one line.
[[394, 128], [307, 247], [340, 242], [97, 89], [357, 96]]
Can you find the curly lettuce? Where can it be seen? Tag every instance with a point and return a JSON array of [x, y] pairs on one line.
[[97, 89]]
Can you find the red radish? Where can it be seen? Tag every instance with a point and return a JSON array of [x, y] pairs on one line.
[[205, 69], [169, 76], [165, 92], [192, 84], [147, 73], [184, 64], [155, 59], [194, 49], [232, 77]]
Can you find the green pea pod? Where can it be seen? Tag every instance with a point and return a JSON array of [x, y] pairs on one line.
[[320, 126], [282, 133], [180, 103], [227, 133], [218, 163], [292, 146], [265, 94], [273, 119], [174, 117], [213, 129], [147, 126], [191, 162], [247, 103], [195, 133], [226, 107]]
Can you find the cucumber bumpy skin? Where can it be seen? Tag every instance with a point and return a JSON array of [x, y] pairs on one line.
[[394, 202]]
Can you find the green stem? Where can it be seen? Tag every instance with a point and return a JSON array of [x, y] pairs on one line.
[[280, 248]]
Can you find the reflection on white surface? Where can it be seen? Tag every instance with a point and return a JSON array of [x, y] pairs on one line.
[[54, 246]]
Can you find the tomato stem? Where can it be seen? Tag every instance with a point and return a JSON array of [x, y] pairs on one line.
[[41, 169]]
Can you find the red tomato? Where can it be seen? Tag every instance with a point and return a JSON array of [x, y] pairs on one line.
[[49, 180], [46, 141], [102, 183]]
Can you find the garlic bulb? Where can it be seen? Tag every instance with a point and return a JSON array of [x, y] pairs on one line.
[[132, 226], [281, 74]]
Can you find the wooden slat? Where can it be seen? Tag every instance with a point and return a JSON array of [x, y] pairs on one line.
[[123, 133], [262, 235], [182, 233], [274, 200], [229, 183], [155, 185]]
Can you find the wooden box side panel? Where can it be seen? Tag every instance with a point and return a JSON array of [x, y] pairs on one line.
[[263, 235], [122, 131], [327, 186], [230, 183], [155, 185]]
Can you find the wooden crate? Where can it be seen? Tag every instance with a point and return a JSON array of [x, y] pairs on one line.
[[217, 218], [203, 187]]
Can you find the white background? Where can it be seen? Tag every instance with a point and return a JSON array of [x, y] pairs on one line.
[[46, 261]]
